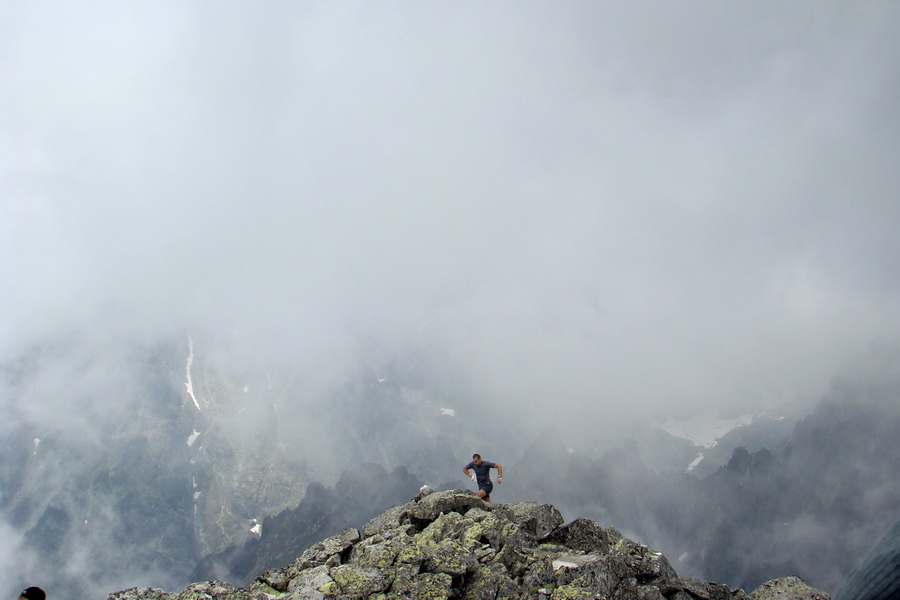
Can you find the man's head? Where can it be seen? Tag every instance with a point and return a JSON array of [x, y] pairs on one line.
[[33, 593], [476, 458]]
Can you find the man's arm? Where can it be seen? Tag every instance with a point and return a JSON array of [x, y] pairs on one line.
[[499, 468], [466, 471]]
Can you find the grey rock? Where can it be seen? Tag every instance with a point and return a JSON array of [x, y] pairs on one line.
[[327, 550], [453, 545], [276, 579], [382, 550], [141, 593], [389, 519], [423, 491], [489, 583], [310, 580], [215, 590], [355, 581], [449, 557], [531, 517], [788, 588], [424, 586], [306, 595], [431, 506], [585, 535]]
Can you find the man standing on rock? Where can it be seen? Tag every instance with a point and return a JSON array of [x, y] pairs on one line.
[[482, 475]]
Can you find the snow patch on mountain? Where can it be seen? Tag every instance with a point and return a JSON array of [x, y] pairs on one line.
[[695, 462], [188, 384], [193, 437], [704, 430]]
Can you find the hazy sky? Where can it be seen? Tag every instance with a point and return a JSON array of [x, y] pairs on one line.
[[589, 204]]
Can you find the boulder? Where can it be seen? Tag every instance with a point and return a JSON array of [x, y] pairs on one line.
[[532, 518], [585, 535]]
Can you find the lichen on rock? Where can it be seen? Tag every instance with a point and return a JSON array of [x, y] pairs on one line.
[[451, 544]]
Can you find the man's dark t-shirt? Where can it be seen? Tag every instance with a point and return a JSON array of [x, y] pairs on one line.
[[482, 471]]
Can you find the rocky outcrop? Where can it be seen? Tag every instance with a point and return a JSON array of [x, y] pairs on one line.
[[453, 545], [788, 588]]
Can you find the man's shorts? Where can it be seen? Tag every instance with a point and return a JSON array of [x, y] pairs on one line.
[[487, 487]]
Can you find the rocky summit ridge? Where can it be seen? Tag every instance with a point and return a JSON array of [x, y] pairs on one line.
[[451, 544]]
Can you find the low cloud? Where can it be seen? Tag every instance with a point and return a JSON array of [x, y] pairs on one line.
[[617, 212]]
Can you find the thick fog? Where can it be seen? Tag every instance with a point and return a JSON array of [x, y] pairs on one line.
[[619, 212], [581, 213]]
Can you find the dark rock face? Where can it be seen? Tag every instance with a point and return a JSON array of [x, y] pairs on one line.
[[443, 545], [878, 576], [360, 493], [141, 484]]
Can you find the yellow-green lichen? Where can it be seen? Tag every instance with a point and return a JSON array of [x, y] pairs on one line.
[[449, 557], [330, 588], [571, 592], [433, 586], [355, 580]]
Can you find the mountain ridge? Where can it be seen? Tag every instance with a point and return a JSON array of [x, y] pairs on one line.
[[451, 544], [120, 502]]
